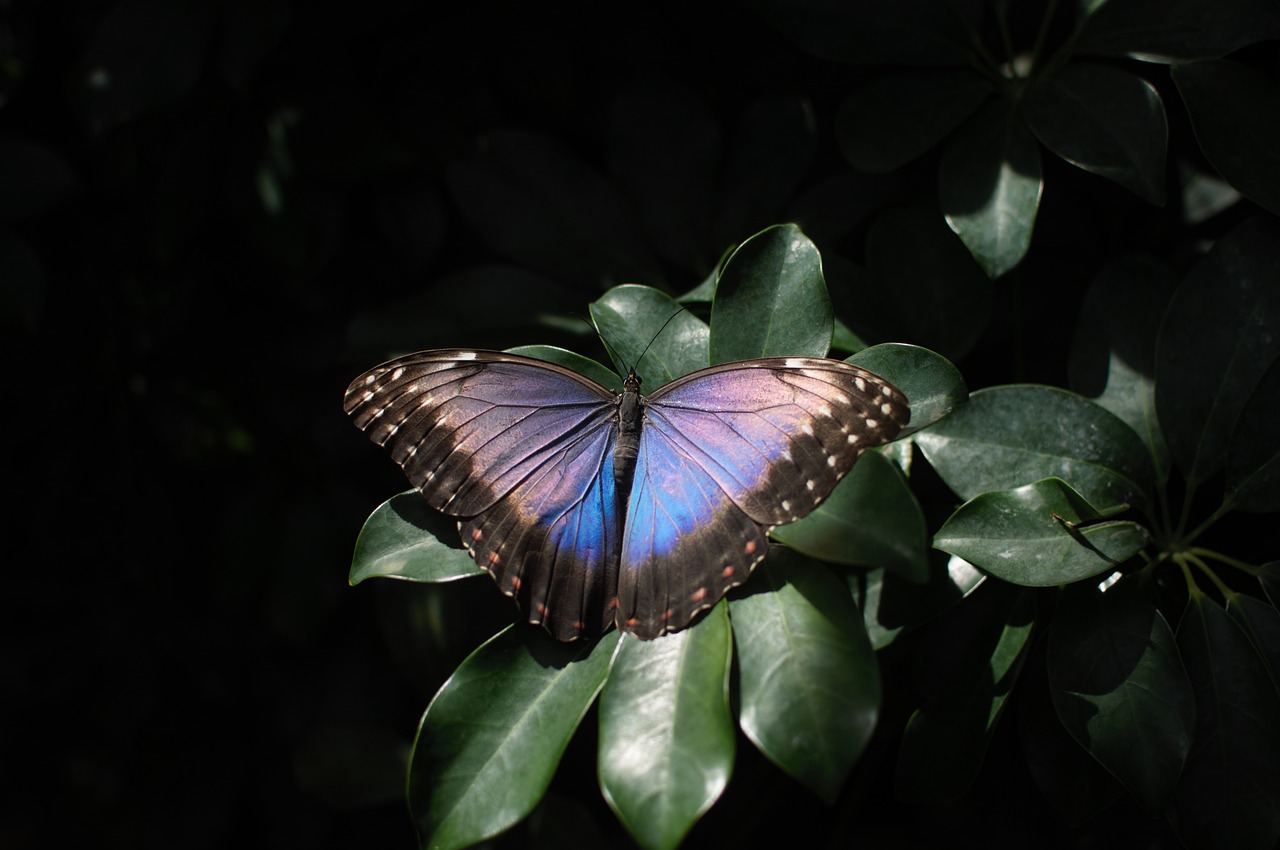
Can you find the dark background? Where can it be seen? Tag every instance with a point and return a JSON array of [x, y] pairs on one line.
[[215, 214]]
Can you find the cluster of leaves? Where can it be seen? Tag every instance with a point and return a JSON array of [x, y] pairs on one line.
[[1029, 547], [1040, 470], [992, 106]]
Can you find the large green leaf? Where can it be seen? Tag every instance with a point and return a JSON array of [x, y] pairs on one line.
[[1217, 340], [891, 605], [639, 320], [989, 187], [1113, 353], [1017, 535], [1177, 30], [1229, 786], [1261, 622], [771, 299], [1119, 687], [1008, 436], [975, 657], [666, 732], [808, 681], [894, 119], [1253, 455], [1068, 777], [405, 538], [1105, 120], [1236, 115], [490, 741], [871, 519]]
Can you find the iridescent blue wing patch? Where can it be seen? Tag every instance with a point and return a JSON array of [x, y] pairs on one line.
[[522, 452], [726, 454]]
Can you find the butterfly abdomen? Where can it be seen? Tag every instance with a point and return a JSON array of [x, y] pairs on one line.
[[630, 416]]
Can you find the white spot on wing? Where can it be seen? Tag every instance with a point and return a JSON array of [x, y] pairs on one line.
[[872, 424], [860, 384], [395, 376], [886, 409]]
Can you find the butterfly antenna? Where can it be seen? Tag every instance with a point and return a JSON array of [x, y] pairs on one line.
[[658, 334]]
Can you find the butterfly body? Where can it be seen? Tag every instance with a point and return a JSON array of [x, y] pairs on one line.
[[597, 509]]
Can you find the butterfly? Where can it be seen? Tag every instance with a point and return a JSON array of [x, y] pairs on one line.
[[597, 509]]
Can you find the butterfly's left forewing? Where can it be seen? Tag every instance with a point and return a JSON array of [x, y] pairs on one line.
[[521, 451], [726, 454]]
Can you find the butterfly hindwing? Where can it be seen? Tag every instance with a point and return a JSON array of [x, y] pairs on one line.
[[521, 450], [726, 454]]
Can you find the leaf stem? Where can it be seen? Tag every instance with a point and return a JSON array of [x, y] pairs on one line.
[[1200, 552]]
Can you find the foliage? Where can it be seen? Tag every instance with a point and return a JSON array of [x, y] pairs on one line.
[[214, 212], [1073, 523]]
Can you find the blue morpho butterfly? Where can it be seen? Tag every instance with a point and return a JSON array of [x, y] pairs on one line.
[[597, 509]]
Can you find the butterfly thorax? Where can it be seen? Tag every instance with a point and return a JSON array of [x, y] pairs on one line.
[[630, 417]]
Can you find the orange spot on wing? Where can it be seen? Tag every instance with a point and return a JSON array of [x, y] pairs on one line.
[[700, 594], [750, 548], [728, 571]]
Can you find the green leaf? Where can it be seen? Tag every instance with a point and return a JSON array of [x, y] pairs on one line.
[[977, 656], [1113, 352], [404, 538], [932, 385], [1261, 622], [891, 605], [1004, 437], [808, 681], [1217, 340], [871, 519], [771, 299], [1105, 120], [1068, 777], [894, 119], [989, 187], [1253, 455], [666, 732], [639, 320], [944, 301], [1119, 686], [1269, 578], [1226, 795], [1013, 534], [490, 741], [535, 202], [1235, 112], [1177, 30]]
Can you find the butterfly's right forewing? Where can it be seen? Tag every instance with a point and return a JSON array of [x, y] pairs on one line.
[[521, 451]]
